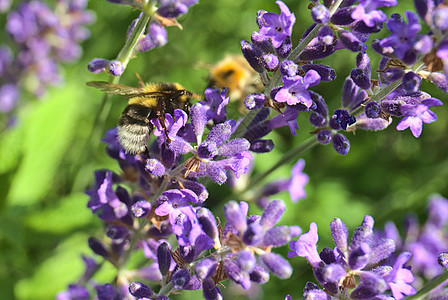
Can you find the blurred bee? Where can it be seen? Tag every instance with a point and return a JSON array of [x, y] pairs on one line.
[[235, 73], [145, 103]]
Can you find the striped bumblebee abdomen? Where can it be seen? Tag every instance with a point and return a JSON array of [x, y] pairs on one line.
[[134, 128]]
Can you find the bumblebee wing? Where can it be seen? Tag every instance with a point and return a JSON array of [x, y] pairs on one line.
[[114, 89], [169, 94]]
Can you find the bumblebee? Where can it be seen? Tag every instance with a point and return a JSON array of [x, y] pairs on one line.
[[145, 103], [235, 73]]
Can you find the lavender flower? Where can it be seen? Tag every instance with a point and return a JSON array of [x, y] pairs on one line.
[[355, 266], [255, 233], [277, 27], [295, 89], [417, 114], [366, 11], [33, 28], [405, 40]]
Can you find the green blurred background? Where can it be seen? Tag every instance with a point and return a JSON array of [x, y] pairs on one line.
[[47, 160]]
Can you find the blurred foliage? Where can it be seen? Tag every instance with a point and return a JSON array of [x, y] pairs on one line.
[[48, 157]]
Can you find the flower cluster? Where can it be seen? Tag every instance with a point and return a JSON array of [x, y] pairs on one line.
[[155, 16], [425, 242], [44, 37], [289, 72], [163, 213], [363, 269]]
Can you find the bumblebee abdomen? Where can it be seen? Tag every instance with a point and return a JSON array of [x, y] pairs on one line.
[[134, 128]]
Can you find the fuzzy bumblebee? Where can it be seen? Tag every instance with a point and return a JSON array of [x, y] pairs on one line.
[[150, 101]]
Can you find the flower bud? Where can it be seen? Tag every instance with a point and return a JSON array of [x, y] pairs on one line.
[[270, 62], [210, 291], [261, 42], [261, 146], [116, 68], [360, 78], [155, 167], [180, 279], [373, 110], [324, 136], [272, 214], [259, 275], [140, 290], [98, 247], [350, 41], [234, 272], [285, 48], [277, 265], [411, 82], [208, 222], [98, 65], [320, 14], [252, 56], [342, 16], [255, 101], [341, 144], [325, 72], [164, 258], [117, 232]]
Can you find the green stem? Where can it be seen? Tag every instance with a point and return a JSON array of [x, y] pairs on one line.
[[241, 129], [429, 286], [128, 49], [166, 290], [290, 155]]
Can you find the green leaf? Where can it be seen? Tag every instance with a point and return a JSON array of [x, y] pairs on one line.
[[49, 130], [70, 213], [61, 268]]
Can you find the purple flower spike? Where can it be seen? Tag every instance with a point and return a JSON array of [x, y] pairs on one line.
[[295, 89], [306, 247], [277, 27], [416, 115]]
